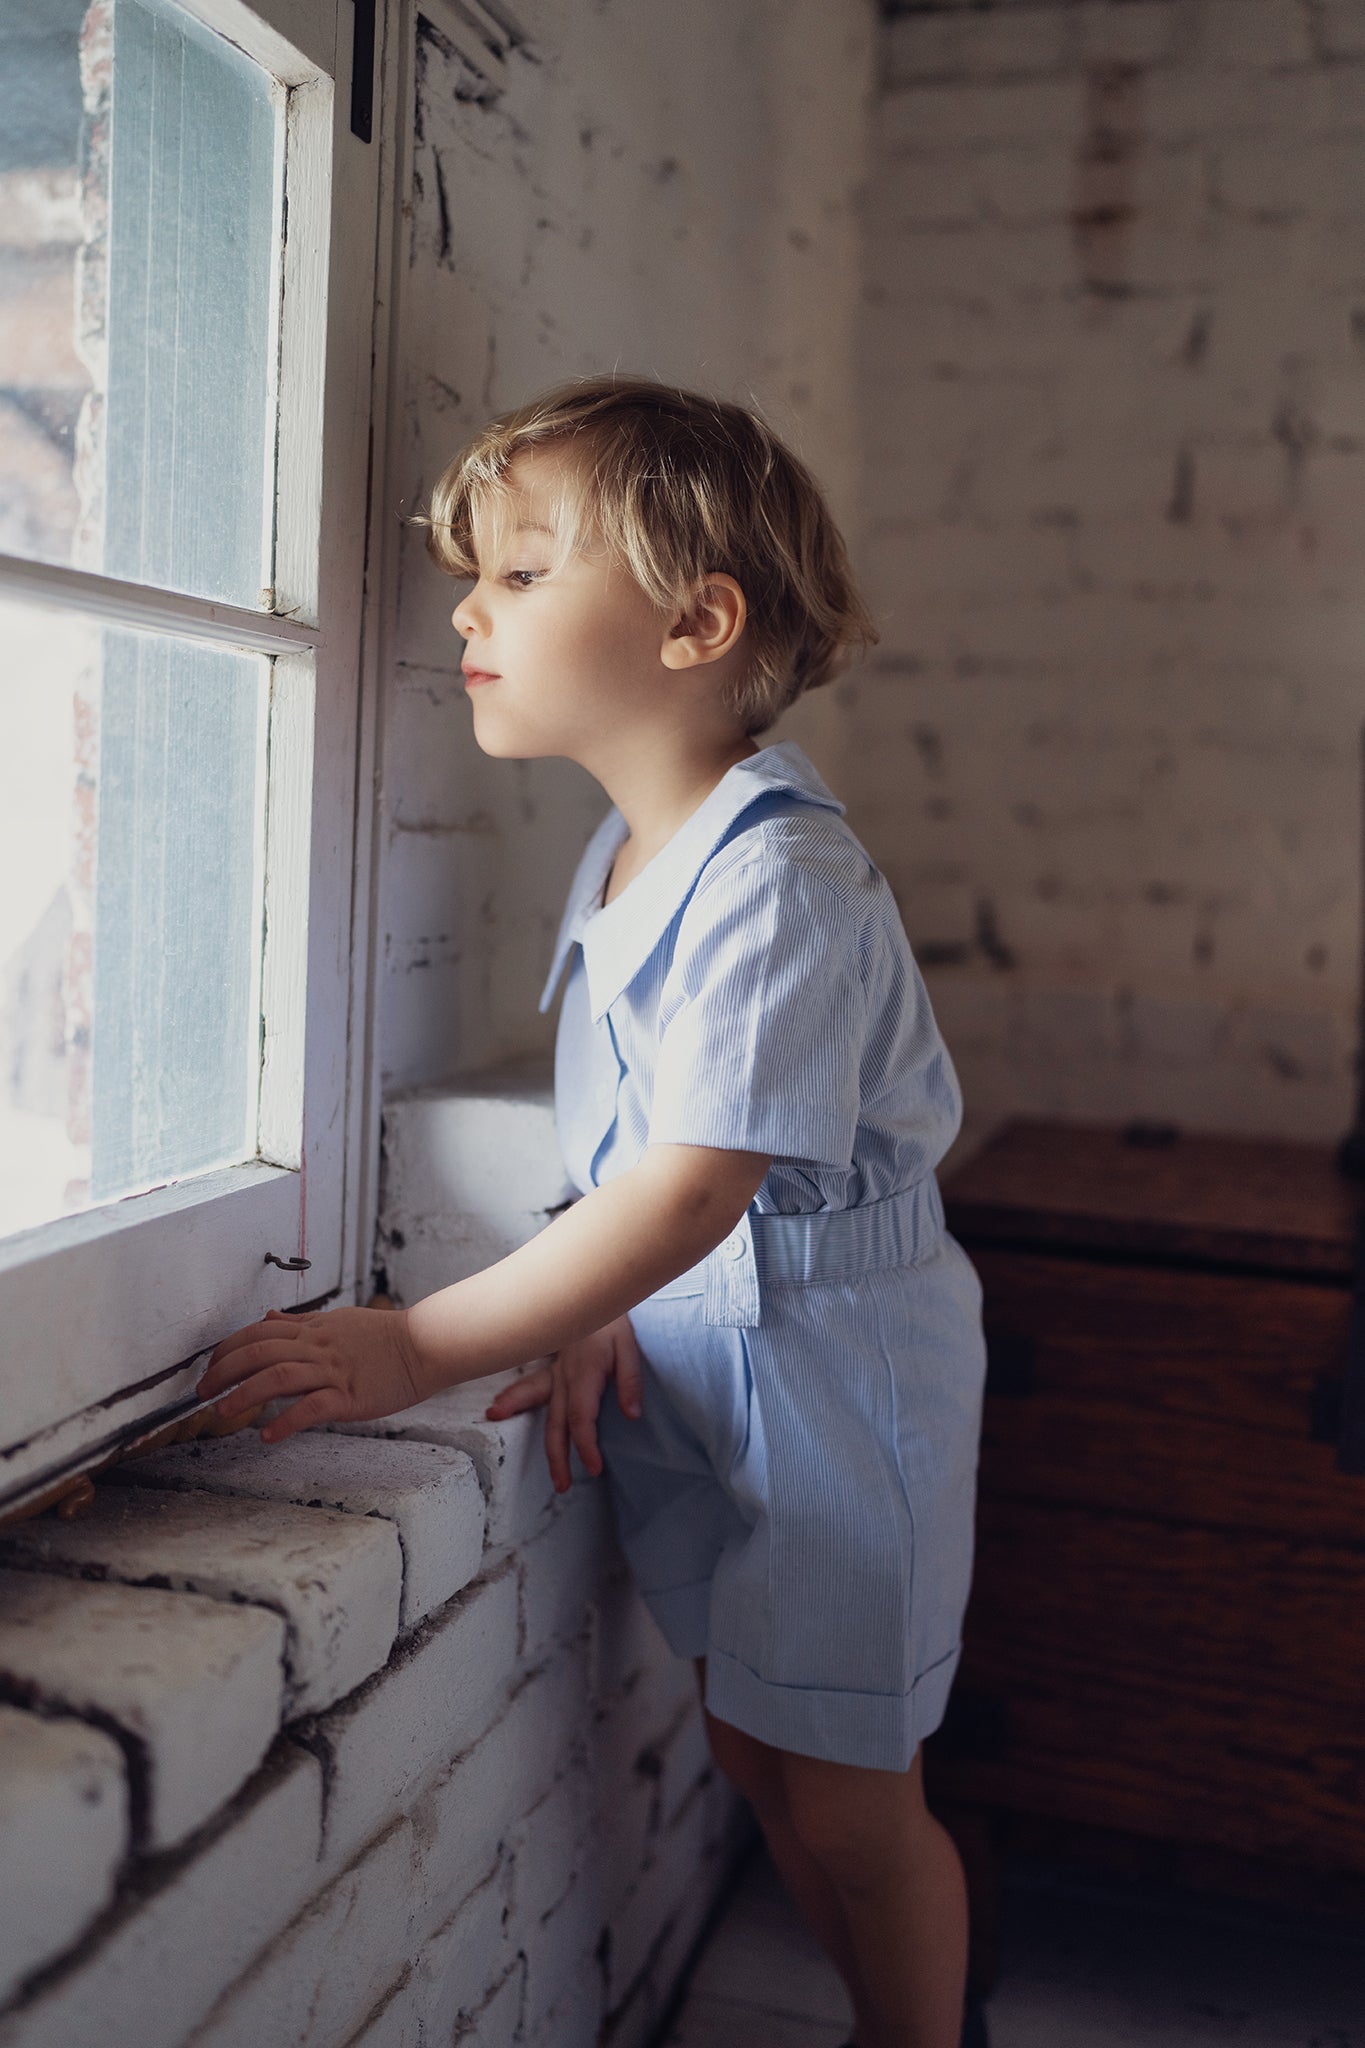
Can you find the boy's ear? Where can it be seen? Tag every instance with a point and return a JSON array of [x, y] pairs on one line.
[[709, 627]]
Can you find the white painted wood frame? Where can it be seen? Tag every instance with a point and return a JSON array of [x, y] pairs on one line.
[[105, 1312]]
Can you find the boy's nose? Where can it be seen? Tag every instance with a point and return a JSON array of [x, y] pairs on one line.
[[465, 618]]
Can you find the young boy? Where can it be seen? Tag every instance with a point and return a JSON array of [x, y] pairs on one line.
[[751, 1095]]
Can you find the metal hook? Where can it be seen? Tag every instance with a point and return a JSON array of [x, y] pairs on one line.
[[288, 1265]]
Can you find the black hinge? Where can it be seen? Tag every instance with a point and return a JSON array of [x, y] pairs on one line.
[[362, 71]]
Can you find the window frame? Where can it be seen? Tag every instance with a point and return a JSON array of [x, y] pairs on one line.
[[107, 1312]]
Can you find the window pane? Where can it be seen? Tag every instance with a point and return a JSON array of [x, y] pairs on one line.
[[131, 839], [139, 198]]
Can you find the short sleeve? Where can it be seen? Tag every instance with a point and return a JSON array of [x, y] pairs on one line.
[[761, 1018]]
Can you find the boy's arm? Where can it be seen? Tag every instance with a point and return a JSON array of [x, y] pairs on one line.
[[611, 1249], [608, 1251]]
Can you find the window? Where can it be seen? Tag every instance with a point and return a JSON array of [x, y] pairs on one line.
[[187, 237]]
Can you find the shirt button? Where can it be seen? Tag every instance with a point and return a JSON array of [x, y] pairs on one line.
[[733, 1247]]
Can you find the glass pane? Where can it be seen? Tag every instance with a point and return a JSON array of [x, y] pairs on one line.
[[131, 839], [139, 200]]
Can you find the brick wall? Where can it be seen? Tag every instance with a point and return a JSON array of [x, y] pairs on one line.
[[1109, 752], [360, 1738]]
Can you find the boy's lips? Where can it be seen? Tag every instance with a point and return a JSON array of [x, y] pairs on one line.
[[479, 675]]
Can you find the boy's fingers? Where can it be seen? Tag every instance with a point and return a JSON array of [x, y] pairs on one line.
[[270, 1383], [532, 1391], [557, 1435], [327, 1404], [583, 1426], [251, 1350], [630, 1390], [223, 1350]]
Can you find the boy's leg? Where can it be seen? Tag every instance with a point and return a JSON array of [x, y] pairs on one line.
[[756, 1770], [898, 1877]]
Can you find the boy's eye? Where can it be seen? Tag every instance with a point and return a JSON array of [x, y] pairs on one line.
[[522, 579]]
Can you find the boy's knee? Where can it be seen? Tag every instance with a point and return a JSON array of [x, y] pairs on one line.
[[856, 1829]]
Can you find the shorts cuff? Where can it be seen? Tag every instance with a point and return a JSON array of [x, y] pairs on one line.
[[682, 1614], [880, 1731]]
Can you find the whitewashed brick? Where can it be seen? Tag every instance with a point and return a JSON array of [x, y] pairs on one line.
[[628, 1641], [939, 49], [673, 1951], [194, 1686], [685, 1759], [1141, 32], [422, 987], [315, 1984], [471, 1810], [399, 2021], [470, 1173], [1164, 1031], [1227, 34], [939, 192], [336, 1579], [497, 2022], [1291, 1045], [463, 1965], [628, 1763], [566, 1567], [1033, 186], [1339, 416], [1062, 1024], [934, 50], [63, 1834], [444, 1994], [461, 1821], [429, 1492], [654, 1927], [1279, 175], [509, 1457], [190, 1926], [437, 1695], [1187, 105], [1337, 28], [548, 1845], [626, 1801], [993, 257], [576, 2020], [556, 1947], [424, 702], [969, 116]]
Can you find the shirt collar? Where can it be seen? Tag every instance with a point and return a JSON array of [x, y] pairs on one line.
[[619, 937]]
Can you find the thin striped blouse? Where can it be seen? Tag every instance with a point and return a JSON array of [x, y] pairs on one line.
[[752, 987]]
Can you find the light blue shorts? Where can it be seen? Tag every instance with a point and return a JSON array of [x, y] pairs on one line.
[[797, 1500]]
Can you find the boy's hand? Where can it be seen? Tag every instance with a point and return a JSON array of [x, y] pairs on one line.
[[573, 1384], [339, 1365]]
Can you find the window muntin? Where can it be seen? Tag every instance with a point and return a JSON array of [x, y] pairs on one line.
[[106, 1309]]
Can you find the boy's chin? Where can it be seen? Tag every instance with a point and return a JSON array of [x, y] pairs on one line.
[[503, 746]]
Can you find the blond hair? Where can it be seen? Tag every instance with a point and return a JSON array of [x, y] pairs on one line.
[[677, 487]]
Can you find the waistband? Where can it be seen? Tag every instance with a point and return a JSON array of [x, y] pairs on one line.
[[831, 1244]]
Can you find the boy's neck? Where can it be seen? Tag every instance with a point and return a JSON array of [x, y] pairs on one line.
[[657, 796]]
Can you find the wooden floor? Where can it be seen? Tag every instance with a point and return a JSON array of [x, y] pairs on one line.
[[1082, 1966]]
